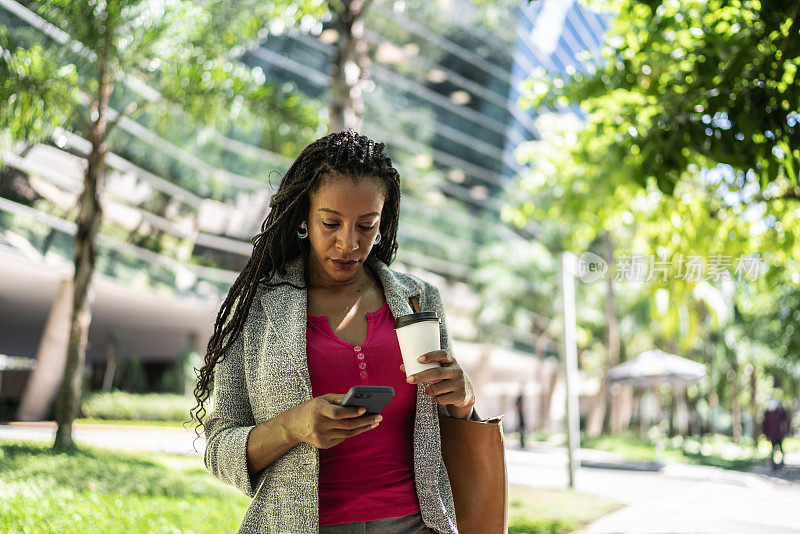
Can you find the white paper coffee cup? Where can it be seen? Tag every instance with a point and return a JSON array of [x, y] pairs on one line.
[[417, 333]]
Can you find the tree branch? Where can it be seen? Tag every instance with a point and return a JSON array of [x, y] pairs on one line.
[[130, 108], [789, 194], [778, 73]]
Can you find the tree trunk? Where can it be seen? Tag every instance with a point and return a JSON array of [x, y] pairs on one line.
[[713, 403], [548, 374], [755, 413], [637, 409], [622, 402], [673, 411], [69, 395], [111, 364], [695, 426], [736, 407], [597, 416], [682, 424], [350, 65], [548, 379]]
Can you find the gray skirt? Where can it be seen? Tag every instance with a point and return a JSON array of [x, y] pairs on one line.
[[407, 524]]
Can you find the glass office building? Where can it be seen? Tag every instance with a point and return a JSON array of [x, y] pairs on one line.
[[444, 90], [446, 82], [443, 96]]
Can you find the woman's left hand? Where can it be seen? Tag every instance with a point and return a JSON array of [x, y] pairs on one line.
[[448, 383]]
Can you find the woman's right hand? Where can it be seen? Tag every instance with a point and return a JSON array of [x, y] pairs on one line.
[[322, 422]]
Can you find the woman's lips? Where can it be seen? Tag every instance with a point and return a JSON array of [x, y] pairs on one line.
[[344, 265]]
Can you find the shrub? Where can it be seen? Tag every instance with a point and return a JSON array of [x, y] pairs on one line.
[[130, 375], [119, 405]]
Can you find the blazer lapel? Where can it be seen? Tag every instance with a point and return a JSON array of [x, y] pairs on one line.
[[285, 309]]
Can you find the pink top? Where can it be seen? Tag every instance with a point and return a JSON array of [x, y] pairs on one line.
[[371, 475]]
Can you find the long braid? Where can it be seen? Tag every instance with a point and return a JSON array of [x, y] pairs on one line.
[[341, 154]]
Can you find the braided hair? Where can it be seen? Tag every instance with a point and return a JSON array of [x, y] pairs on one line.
[[337, 155]]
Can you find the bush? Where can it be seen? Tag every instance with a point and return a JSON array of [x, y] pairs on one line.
[[180, 377], [119, 405], [130, 375]]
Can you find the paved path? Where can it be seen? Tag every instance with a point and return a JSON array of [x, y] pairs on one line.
[[128, 437], [679, 499]]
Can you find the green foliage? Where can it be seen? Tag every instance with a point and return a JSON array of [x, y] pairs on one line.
[[130, 375], [693, 83], [179, 61], [687, 147], [175, 68], [180, 377], [769, 315], [119, 405], [35, 92], [97, 491], [575, 191], [516, 282]]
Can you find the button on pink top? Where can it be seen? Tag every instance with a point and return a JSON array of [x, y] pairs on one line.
[[371, 475]]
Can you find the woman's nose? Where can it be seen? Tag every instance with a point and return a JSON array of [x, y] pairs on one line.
[[347, 240]]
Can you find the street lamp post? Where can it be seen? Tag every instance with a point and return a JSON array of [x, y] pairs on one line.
[[569, 354]]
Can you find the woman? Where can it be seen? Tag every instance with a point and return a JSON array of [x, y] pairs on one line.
[[310, 316]]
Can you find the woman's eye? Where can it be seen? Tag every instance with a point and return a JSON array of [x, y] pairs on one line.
[[334, 225]]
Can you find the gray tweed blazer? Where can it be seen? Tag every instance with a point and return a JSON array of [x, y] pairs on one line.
[[265, 373]]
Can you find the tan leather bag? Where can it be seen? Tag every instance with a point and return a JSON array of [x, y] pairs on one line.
[[474, 455]]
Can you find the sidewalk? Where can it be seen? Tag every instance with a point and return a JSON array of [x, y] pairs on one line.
[[790, 472], [126, 437], [677, 499]]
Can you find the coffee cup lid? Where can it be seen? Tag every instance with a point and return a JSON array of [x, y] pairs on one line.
[[411, 318]]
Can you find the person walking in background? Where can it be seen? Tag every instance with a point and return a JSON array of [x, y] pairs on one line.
[[776, 426], [520, 407]]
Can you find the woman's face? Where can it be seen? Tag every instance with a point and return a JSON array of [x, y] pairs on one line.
[[343, 220]]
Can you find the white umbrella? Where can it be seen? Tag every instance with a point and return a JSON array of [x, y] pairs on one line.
[[655, 367]]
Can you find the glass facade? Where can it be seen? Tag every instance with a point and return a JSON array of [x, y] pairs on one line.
[[443, 97]]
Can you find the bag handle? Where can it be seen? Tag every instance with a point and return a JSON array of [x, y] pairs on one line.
[[414, 301]]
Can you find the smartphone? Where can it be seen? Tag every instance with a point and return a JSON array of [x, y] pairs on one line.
[[373, 398]]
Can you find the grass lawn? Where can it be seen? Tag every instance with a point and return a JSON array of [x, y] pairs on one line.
[[535, 511], [99, 491], [717, 450], [94, 490]]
